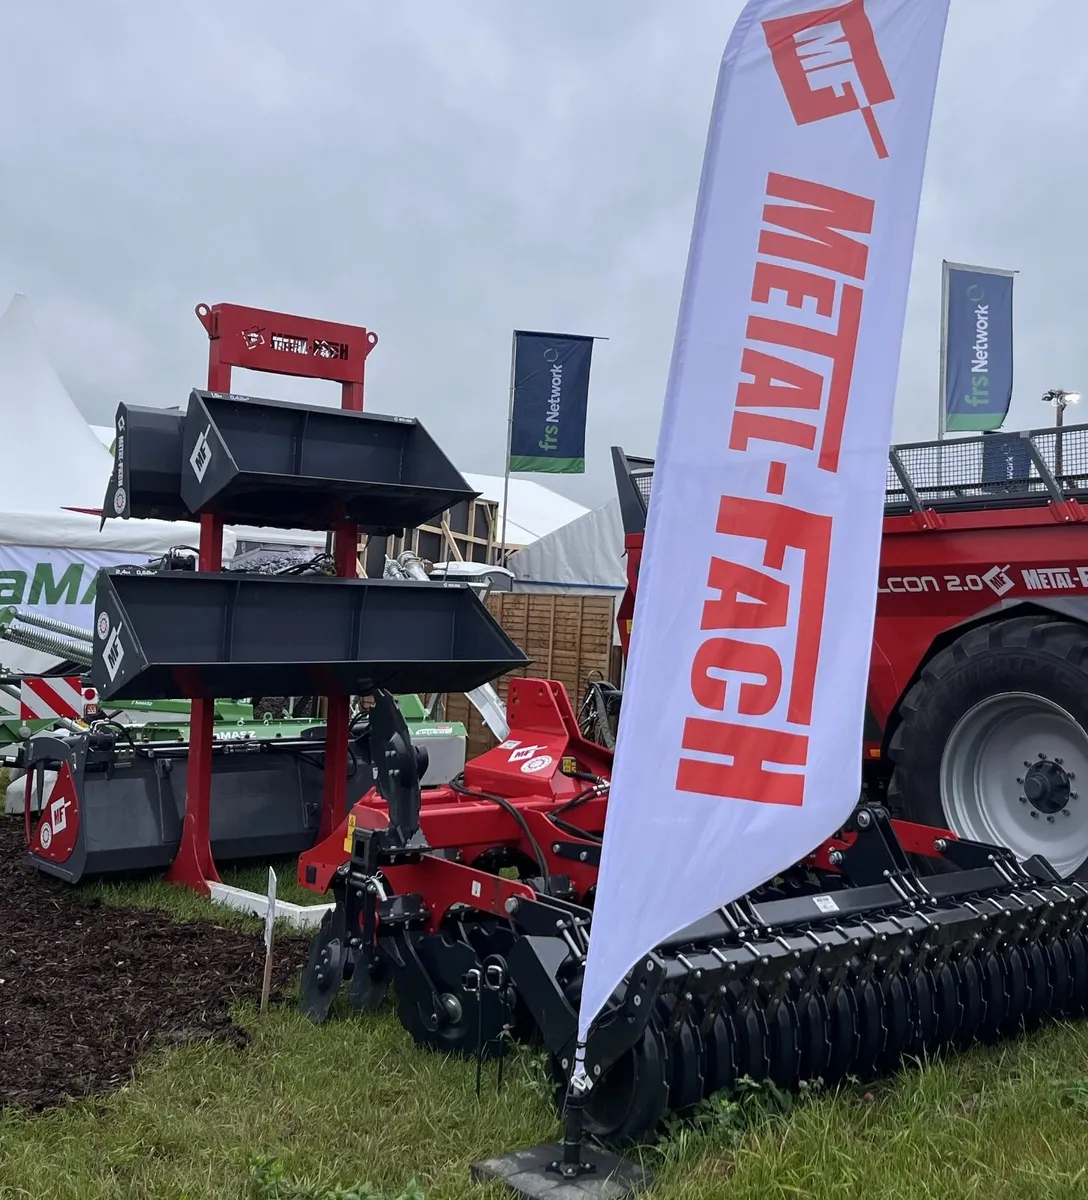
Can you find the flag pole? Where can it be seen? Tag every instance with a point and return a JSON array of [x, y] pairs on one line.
[[509, 447], [942, 388]]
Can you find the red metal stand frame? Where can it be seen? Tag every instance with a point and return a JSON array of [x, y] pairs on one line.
[[280, 344]]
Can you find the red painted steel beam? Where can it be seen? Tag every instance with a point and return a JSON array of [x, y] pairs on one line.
[[279, 344]]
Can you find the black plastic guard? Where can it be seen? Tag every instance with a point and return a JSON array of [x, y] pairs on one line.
[[265, 803], [204, 635], [146, 476]]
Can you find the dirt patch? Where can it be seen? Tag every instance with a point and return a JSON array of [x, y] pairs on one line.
[[85, 989]]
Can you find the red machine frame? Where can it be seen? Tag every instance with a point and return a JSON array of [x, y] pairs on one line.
[[557, 766], [933, 563], [471, 819], [279, 344]]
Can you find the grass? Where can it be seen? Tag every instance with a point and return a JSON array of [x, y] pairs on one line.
[[352, 1109], [183, 905]]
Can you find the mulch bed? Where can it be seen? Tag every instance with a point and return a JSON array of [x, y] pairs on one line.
[[85, 989]]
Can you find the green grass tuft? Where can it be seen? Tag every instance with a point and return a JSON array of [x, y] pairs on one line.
[[353, 1110]]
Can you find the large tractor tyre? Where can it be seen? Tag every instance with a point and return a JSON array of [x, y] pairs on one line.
[[993, 740]]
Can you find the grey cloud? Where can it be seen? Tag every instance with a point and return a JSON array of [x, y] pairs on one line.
[[444, 170]]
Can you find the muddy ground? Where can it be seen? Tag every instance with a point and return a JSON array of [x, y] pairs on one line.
[[85, 989]]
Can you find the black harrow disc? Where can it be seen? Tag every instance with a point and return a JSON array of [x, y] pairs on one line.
[[490, 938], [903, 986], [369, 985], [469, 1022], [324, 970]]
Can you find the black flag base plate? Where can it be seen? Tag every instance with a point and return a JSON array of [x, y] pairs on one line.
[[533, 1174]]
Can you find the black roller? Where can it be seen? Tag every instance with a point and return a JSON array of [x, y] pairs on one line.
[[994, 998], [785, 1045], [947, 1005], [969, 979], [815, 1039], [753, 1044], [629, 1102], [1057, 952], [1077, 949], [719, 1051], [843, 1041], [1040, 985], [869, 1000], [1016, 991], [923, 1034], [686, 1057], [897, 1021]]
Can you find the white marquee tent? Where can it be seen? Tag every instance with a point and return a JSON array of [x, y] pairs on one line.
[[56, 466], [585, 555], [535, 511]]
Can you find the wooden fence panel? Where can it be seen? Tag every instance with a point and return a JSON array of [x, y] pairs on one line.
[[568, 637]]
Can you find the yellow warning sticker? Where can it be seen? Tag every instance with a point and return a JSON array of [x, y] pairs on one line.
[[351, 833], [570, 765]]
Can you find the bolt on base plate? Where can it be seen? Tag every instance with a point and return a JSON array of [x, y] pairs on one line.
[[526, 1173]]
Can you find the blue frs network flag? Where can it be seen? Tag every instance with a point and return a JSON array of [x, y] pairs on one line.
[[550, 401], [976, 348]]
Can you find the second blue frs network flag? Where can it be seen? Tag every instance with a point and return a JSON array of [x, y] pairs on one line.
[[976, 348], [551, 397]]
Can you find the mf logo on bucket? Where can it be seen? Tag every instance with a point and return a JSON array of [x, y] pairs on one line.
[[997, 578], [201, 457], [114, 652], [828, 64]]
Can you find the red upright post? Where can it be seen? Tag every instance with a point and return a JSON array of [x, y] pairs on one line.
[[345, 549], [283, 345], [193, 865]]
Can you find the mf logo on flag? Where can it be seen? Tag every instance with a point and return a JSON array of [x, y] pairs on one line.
[[828, 64]]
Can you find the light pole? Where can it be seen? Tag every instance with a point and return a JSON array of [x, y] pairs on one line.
[[1060, 399]]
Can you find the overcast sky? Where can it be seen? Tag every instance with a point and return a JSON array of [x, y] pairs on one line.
[[443, 171]]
